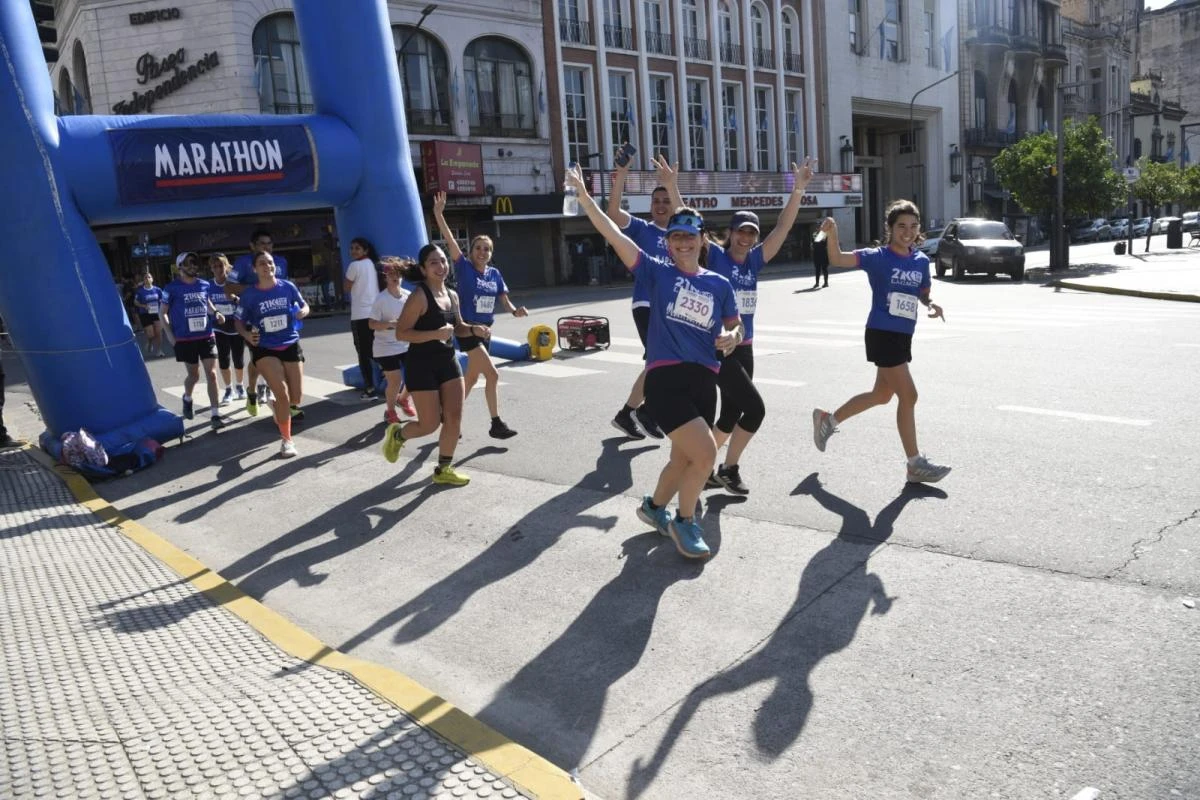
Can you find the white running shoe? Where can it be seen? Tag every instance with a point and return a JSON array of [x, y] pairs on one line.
[[287, 449], [922, 470], [823, 428]]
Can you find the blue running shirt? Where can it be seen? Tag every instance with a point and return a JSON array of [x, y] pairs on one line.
[[187, 305], [151, 298], [743, 277], [225, 304], [653, 240], [272, 311], [897, 283], [687, 313], [478, 291]]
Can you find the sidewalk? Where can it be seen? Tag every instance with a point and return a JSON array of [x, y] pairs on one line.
[[129, 670], [1160, 274]]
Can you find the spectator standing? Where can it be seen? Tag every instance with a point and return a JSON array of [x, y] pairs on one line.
[[362, 284]]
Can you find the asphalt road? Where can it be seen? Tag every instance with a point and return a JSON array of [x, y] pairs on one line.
[[1019, 630]]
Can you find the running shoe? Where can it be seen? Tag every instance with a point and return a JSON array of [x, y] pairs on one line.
[[712, 482], [252, 404], [239, 392], [406, 405], [287, 449], [264, 393], [732, 480], [187, 409], [922, 470], [392, 442], [391, 417], [501, 431], [657, 518], [688, 538], [217, 423], [623, 422], [823, 428], [296, 413], [228, 396], [647, 422], [367, 394], [447, 476]]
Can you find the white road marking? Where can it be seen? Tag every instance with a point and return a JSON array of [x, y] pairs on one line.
[[611, 356], [1187, 344], [1079, 415], [543, 369], [777, 382]]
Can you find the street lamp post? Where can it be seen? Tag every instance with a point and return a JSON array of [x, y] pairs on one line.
[[425, 12], [1183, 139], [1058, 244], [912, 134]]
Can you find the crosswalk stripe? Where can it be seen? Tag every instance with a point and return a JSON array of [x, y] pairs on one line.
[[544, 369], [1079, 415]]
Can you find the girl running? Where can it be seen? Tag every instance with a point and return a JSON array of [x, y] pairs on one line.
[[387, 350], [429, 322], [739, 260], [266, 318], [230, 346], [148, 301], [691, 310], [480, 286], [899, 277]]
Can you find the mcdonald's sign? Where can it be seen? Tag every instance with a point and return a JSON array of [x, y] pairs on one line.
[[503, 205]]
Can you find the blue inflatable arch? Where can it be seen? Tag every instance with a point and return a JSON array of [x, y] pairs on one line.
[[62, 175]]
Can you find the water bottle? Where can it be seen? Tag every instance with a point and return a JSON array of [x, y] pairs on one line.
[[570, 198]]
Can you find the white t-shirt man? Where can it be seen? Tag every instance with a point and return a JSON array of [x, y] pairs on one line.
[[387, 309], [364, 287]]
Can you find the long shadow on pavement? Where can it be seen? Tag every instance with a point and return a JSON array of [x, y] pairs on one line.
[[529, 537], [563, 690], [838, 575]]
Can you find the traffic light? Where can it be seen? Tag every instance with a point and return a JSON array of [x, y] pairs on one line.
[[1050, 171], [43, 15]]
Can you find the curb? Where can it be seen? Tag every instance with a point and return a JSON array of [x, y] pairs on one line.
[[1087, 287], [527, 771]]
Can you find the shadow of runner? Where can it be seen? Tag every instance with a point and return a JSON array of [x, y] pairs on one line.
[[838, 572], [520, 546], [563, 689]]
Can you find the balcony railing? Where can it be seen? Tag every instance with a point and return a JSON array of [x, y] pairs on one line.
[[696, 48], [764, 58], [989, 35], [1054, 52], [660, 43], [427, 120], [990, 137], [502, 125], [619, 37], [575, 32], [732, 54], [792, 62]]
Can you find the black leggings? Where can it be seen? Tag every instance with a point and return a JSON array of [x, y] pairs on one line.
[[741, 404], [364, 343], [231, 348]]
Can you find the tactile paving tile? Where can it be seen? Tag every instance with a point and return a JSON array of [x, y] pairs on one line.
[[119, 680]]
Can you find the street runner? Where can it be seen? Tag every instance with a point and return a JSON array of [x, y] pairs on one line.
[[388, 351], [231, 348], [188, 312]]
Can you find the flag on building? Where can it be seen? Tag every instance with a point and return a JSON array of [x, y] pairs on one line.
[[948, 48], [882, 38], [541, 92]]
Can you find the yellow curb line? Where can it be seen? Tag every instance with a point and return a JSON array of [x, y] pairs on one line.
[[529, 772], [1087, 287]]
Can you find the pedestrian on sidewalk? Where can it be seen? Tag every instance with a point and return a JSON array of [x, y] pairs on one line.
[[388, 351], [188, 313], [362, 283], [429, 322], [480, 288], [692, 309], [899, 276], [266, 318], [231, 348], [820, 250]]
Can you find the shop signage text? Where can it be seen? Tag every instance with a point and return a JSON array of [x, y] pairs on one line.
[[158, 15], [640, 204], [157, 164], [455, 168], [150, 68]]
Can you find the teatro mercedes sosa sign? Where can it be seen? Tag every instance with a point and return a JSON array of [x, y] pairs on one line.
[[164, 164], [640, 204]]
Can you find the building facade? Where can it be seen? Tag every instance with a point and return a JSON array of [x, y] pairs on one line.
[[471, 74], [1100, 36], [1167, 40]]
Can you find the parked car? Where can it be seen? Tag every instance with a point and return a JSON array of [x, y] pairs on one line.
[[1161, 223], [1118, 228], [1141, 226], [979, 245], [930, 246], [1094, 230], [1191, 221]]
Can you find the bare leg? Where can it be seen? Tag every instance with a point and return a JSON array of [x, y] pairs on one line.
[[693, 453], [392, 389], [452, 394], [880, 394], [901, 382], [210, 376], [293, 372], [193, 377], [637, 394], [737, 443]]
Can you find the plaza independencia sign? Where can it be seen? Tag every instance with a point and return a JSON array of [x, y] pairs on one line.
[[151, 68], [164, 164]]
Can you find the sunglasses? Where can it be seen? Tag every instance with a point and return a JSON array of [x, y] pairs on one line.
[[690, 220]]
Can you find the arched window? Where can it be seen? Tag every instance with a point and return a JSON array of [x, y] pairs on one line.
[[279, 74], [760, 37], [979, 115], [424, 80], [499, 88], [1011, 127], [66, 94], [727, 30], [81, 102], [792, 43]]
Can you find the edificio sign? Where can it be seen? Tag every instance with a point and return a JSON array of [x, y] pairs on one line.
[[164, 164], [158, 15]]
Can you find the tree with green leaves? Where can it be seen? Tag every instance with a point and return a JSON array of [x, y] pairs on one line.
[[1157, 185], [1191, 186], [1091, 187]]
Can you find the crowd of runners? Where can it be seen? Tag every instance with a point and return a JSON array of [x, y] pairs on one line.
[[694, 304]]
